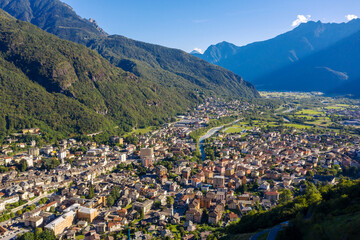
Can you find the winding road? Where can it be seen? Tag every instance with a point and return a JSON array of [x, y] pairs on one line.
[[272, 233]]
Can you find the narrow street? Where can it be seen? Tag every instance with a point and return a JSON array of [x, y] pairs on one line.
[[35, 200]]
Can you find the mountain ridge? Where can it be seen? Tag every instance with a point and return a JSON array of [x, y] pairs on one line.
[[257, 61], [161, 65], [66, 88], [133, 84], [334, 70]]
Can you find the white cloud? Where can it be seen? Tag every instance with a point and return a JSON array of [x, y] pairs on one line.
[[198, 50], [301, 19], [350, 17]]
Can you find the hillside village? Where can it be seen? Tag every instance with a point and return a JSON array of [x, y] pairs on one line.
[[156, 186]]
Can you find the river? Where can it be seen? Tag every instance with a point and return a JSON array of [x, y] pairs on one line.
[[209, 134]]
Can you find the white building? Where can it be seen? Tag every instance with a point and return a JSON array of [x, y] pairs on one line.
[[123, 157]]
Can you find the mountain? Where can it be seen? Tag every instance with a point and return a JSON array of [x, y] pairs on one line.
[[194, 52], [218, 53], [50, 16], [334, 70], [259, 62], [65, 88], [171, 68]]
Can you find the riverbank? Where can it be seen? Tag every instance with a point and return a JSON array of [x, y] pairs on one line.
[[210, 133]]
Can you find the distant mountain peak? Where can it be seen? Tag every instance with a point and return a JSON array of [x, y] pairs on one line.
[[196, 51], [255, 61]]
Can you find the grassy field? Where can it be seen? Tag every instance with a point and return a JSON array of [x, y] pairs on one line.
[[234, 129], [335, 107], [321, 122], [246, 125], [310, 112], [298, 126], [306, 116], [141, 131], [294, 95]]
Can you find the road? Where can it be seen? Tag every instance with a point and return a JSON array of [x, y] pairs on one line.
[[289, 110], [35, 200], [13, 234], [152, 134], [273, 232], [286, 120], [257, 235]]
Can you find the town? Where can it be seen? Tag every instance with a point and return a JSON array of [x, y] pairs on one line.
[[171, 182]]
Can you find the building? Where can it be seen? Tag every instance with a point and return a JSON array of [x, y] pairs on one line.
[[61, 223], [194, 215], [143, 207], [233, 217], [48, 206], [147, 161], [66, 220], [29, 161], [186, 172], [62, 155], [229, 172], [88, 214], [114, 226], [34, 152], [146, 153], [83, 213], [92, 235], [34, 222], [218, 181], [272, 196], [205, 203], [117, 140], [161, 170], [147, 156], [123, 157], [215, 215], [101, 227]]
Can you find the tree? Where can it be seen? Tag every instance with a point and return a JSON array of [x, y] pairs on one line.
[[110, 201], [157, 204], [285, 196], [27, 236], [38, 231], [170, 201], [132, 139], [47, 235], [91, 192], [52, 209], [19, 212], [182, 231], [23, 165], [43, 200]]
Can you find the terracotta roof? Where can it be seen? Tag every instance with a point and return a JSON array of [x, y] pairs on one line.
[[272, 193]]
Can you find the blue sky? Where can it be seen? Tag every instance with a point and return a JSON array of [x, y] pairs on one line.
[[189, 24]]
